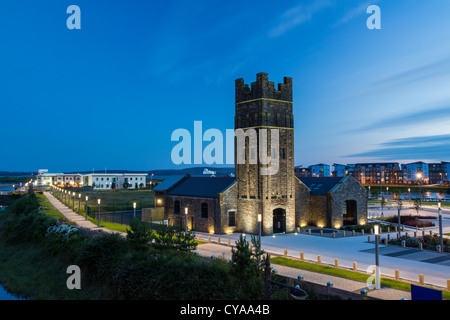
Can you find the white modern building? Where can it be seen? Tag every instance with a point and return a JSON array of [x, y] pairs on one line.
[[103, 181], [115, 180]]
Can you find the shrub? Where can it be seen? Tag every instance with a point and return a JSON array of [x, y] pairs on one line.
[[139, 235], [100, 254], [174, 239]]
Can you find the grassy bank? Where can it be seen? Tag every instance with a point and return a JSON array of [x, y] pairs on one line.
[[36, 249]]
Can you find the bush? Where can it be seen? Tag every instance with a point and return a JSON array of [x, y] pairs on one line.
[[26, 204], [100, 254], [172, 238], [139, 235]]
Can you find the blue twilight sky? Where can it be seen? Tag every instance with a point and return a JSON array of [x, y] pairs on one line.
[[111, 94]]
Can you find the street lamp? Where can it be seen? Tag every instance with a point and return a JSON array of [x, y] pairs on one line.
[[79, 203], [73, 201], [259, 235], [86, 209], [186, 220], [377, 256], [98, 201], [441, 238], [409, 191], [134, 209]]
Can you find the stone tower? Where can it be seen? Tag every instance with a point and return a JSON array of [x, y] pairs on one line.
[[262, 108]]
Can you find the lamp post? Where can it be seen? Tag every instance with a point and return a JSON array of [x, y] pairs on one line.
[[79, 203], [409, 191], [259, 236], [86, 207], [98, 201], [441, 238], [134, 209], [377, 256], [419, 177], [65, 197], [399, 222], [73, 201]]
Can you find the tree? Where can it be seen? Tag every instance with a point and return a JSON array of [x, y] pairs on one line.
[[383, 203], [417, 205], [139, 235], [126, 185]]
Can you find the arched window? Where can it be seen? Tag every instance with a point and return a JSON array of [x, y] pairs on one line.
[[176, 207], [204, 212]]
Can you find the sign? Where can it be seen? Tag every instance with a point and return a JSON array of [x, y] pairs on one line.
[[166, 222], [423, 293]]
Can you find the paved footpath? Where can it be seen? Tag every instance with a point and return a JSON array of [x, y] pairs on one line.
[[223, 251], [73, 216]]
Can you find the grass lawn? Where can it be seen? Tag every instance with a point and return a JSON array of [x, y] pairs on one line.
[[115, 200], [347, 274]]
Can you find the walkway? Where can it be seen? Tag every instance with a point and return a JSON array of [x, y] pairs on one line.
[[73, 216]]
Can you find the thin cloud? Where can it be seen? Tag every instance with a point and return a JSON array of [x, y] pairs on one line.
[[296, 16], [358, 11], [423, 147]]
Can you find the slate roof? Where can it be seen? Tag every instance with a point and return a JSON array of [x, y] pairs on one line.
[[321, 185], [169, 182], [205, 187]]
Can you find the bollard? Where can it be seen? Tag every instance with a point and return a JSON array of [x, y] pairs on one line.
[[385, 241], [397, 276], [285, 253], [363, 294], [343, 233], [336, 263], [309, 231], [420, 246], [353, 233], [389, 229], [421, 280], [209, 238], [362, 231], [448, 285], [321, 232], [368, 238], [218, 240], [334, 234], [228, 242], [199, 237], [319, 260], [355, 266], [301, 256], [371, 230]]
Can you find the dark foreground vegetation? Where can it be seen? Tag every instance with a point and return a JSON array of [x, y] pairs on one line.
[[36, 250]]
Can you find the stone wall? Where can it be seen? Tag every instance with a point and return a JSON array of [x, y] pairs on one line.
[[228, 202], [348, 189], [195, 221], [302, 204]]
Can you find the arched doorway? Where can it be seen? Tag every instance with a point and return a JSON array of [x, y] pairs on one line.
[[279, 220], [349, 212]]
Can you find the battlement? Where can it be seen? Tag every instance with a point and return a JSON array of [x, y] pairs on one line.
[[263, 88]]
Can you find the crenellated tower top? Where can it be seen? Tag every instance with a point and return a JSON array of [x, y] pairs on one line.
[[263, 88]]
